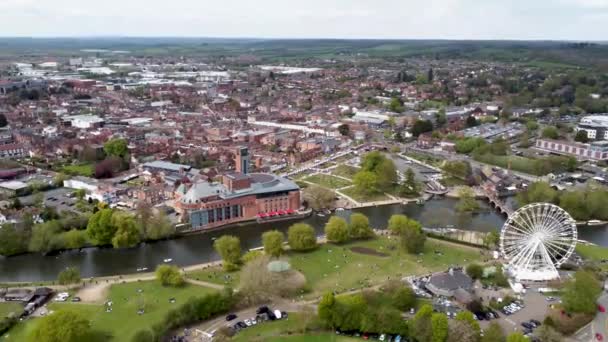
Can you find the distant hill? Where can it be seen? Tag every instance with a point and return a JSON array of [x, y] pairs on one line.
[[548, 53]]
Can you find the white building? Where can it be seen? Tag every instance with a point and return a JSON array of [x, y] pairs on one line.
[[84, 121]]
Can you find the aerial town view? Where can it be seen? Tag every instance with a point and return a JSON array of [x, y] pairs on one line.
[[320, 171]]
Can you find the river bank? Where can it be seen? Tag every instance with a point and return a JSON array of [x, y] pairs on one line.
[[197, 249]]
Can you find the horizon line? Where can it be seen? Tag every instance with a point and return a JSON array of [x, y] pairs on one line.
[[89, 37]]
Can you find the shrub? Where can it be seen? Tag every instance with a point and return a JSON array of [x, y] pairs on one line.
[[169, 275], [301, 237], [70, 275]]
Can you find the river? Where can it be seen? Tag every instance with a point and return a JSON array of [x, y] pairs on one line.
[[196, 249]]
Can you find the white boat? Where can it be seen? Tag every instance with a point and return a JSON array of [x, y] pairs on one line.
[[168, 260], [594, 223]]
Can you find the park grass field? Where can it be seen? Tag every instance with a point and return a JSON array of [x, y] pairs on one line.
[[592, 252], [86, 170], [215, 275], [345, 171], [328, 181], [289, 330], [338, 268], [7, 307], [123, 322], [354, 194]]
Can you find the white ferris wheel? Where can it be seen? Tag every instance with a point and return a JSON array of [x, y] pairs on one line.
[[536, 240]]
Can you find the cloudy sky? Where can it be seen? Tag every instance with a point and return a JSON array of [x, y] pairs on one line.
[[416, 19]]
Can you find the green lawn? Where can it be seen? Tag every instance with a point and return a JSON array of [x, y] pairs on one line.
[[343, 270], [123, 322], [354, 194], [332, 267], [86, 170], [216, 275], [345, 171], [7, 307], [289, 330], [592, 252], [328, 181]]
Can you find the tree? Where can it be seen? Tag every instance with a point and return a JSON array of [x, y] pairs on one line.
[[461, 332], [43, 235], [439, 326], [3, 121], [493, 333], [344, 129], [467, 201], [517, 337], [421, 324], [550, 132], [16, 204], [318, 197], [404, 298], [386, 174], [581, 136], [336, 230], [471, 121], [537, 192], [100, 228], [273, 243], [475, 271], [14, 240], [409, 187], [441, 118], [70, 275], [413, 238], [301, 237], [229, 248], [169, 275], [421, 126], [581, 293], [396, 105], [158, 227], [547, 334], [491, 239], [468, 318], [359, 227], [366, 182], [326, 310], [116, 147], [38, 200], [127, 234], [62, 326]]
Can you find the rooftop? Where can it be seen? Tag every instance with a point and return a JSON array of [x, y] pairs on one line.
[[261, 183], [160, 164]]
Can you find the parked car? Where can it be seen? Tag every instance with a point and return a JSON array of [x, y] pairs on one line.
[[278, 314], [601, 308], [76, 299], [248, 322], [230, 317]]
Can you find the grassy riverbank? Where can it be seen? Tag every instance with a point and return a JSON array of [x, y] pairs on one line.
[[123, 321], [359, 264]]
